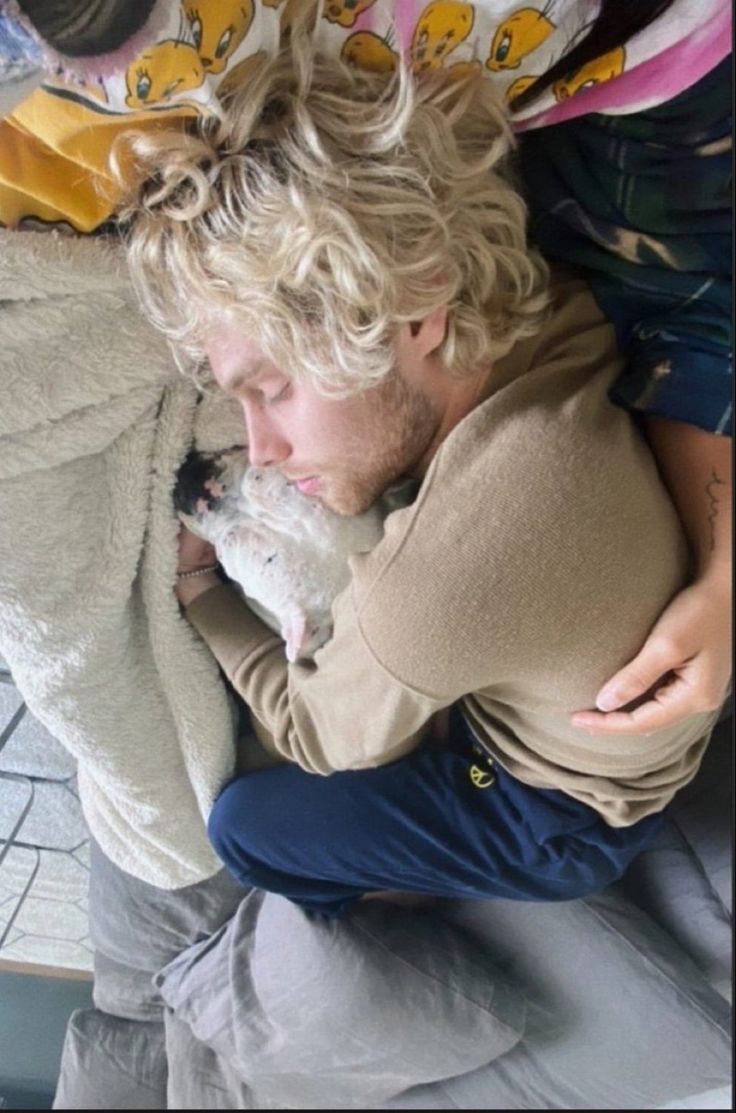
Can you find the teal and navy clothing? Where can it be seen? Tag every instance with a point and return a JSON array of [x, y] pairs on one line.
[[641, 203]]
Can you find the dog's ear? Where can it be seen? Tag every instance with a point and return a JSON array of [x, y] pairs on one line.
[[198, 469]]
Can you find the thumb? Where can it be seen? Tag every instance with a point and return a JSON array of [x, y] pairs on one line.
[[634, 679]]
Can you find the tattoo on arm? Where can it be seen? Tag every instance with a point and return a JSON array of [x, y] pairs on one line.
[[714, 481]]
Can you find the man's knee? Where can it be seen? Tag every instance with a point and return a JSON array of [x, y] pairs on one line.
[[230, 822], [248, 826]]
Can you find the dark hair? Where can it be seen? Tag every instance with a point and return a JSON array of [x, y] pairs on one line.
[[615, 24], [79, 28]]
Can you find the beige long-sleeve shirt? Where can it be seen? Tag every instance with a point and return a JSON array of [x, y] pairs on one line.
[[535, 559]]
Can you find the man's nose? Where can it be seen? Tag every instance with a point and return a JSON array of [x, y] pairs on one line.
[[266, 446]]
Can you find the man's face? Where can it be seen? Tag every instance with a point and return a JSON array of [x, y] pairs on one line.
[[345, 452]]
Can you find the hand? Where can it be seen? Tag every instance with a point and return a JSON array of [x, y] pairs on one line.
[[686, 660], [194, 553]]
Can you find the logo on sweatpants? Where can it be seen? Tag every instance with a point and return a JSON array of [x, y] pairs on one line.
[[481, 778]]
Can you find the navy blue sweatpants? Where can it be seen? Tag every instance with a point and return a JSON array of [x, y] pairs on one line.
[[448, 822]]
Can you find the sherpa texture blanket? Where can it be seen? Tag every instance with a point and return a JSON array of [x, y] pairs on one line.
[[94, 423]]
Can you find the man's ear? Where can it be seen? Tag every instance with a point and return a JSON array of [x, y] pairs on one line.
[[425, 336]]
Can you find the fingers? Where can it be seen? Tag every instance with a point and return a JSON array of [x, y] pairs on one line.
[[683, 669], [633, 681], [669, 705]]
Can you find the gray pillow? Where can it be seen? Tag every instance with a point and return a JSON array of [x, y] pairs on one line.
[[667, 883], [108, 1063], [684, 881], [198, 1077], [637, 1025], [136, 928], [142, 926], [124, 991], [313, 1013], [702, 811]]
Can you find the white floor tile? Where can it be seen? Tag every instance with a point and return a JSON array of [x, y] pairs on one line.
[[49, 952], [52, 919], [31, 749], [61, 878], [15, 873], [55, 820], [82, 854]]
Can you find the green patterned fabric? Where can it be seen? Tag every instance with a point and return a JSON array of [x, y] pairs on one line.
[[642, 203]]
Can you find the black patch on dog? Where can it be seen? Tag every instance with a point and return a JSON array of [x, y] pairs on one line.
[[194, 473]]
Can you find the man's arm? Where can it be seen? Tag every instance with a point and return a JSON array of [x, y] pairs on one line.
[[344, 711]]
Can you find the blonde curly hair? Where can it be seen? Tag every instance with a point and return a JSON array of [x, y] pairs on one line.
[[327, 206]]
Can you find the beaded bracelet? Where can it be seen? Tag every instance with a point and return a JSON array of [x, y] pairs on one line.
[[197, 572]]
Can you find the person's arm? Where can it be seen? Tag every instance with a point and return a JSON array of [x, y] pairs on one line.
[[685, 663], [641, 203], [342, 711], [696, 467]]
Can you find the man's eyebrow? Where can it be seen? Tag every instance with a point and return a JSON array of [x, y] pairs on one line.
[[242, 378]]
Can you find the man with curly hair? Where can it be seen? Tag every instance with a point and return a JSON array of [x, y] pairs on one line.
[[348, 252]]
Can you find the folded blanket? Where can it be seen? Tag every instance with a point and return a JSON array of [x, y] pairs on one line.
[[94, 424]]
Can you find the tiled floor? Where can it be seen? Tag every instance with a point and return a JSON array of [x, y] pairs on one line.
[[44, 876]]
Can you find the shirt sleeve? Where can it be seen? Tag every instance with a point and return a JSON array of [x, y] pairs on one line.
[[641, 203], [341, 711]]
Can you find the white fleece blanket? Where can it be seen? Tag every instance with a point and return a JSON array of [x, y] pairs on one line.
[[94, 422]]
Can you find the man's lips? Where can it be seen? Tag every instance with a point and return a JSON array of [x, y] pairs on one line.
[[308, 486]]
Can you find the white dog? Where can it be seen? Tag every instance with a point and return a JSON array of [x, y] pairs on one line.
[[286, 552]]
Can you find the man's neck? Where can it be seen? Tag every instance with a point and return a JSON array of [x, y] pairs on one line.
[[459, 397]]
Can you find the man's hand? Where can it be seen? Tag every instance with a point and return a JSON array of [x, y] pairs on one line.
[[194, 553], [685, 663]]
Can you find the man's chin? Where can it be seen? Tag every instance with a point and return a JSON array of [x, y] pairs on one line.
[[346, 504], [346, 509]]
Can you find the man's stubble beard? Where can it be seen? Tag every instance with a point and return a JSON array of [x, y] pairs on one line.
[[394, 437]]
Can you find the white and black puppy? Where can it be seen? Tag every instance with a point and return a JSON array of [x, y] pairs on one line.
[[287, 553]]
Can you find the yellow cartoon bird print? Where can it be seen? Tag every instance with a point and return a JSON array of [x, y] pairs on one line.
[[160, 72], [441, 28], [345, 12], [517, 37], [218, 27], [592, 73], [368, 51]]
